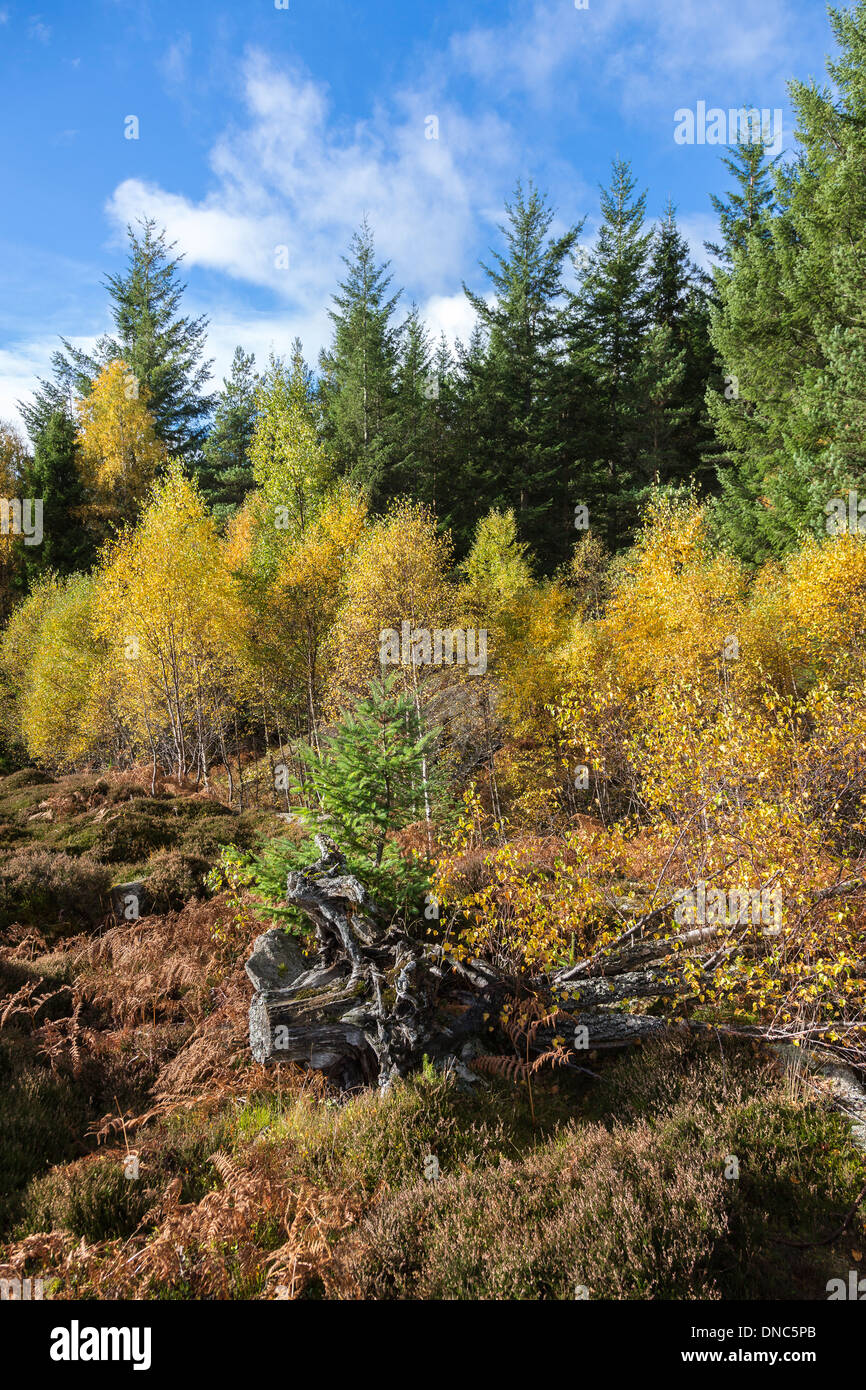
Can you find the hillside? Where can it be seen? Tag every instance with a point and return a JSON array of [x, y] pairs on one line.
[[128, 1038]]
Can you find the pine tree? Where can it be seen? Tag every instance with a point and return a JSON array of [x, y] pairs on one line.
[[462, 498], [788, 326], [745, 211], [53, 474], [225, 475], [161, 348], [655, 437], [412, 420], [358, 371], [521, 459], [372, 779], [14, 464], [611, 314], [677, 363], [441, 463]]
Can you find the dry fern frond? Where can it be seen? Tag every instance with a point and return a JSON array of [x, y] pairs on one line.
[[557, 1057], [509, 1068]]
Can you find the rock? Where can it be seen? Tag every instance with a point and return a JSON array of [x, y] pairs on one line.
[[849, 1097], [838, 1082], [128, 900], [277, 960]]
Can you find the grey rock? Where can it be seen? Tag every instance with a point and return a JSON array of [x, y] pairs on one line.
[[276, 961], [129, 901]]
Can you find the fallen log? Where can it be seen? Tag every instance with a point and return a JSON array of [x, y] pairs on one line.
[[375, 1001]]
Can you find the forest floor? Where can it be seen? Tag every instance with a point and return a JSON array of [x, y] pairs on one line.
[[144, 1154]]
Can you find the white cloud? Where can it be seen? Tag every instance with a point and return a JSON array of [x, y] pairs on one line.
[[175, 62], [451, 314], [22, 364], [292, 177], [38, 30], [649, 52]]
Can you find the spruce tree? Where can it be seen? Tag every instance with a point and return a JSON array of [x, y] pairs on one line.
[[163, 349], [225, 475], [788, 326], [359, 369], [411, 424], [611, 314], [52, 474], [747, 209], [371, 779], [677, 364], [521, 462]]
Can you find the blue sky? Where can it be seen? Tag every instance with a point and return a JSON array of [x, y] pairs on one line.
[[262, 127]]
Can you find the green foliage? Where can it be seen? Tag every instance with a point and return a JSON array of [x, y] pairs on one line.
[[788, 325], [518, 461], [371, 774], [358, 370], [225, 473], [93, 1200], [53, 475], [162, 347], [369, 782], [41, 886], [635, 1205]]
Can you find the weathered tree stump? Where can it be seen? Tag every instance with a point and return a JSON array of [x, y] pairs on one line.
[[375, 1001]]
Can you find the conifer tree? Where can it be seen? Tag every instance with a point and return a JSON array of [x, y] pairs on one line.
[[788, 326], [520, 461], [358, 371], [54, 475], [163, 348], [747, 209], [225, 475], [415, 387], [610, 317], [369, 777], [677, 364]]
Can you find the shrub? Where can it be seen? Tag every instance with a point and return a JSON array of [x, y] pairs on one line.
[[623, 1213], [173, 878], [93, 1199], [132, 836], [27, 777], [40, 884]]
